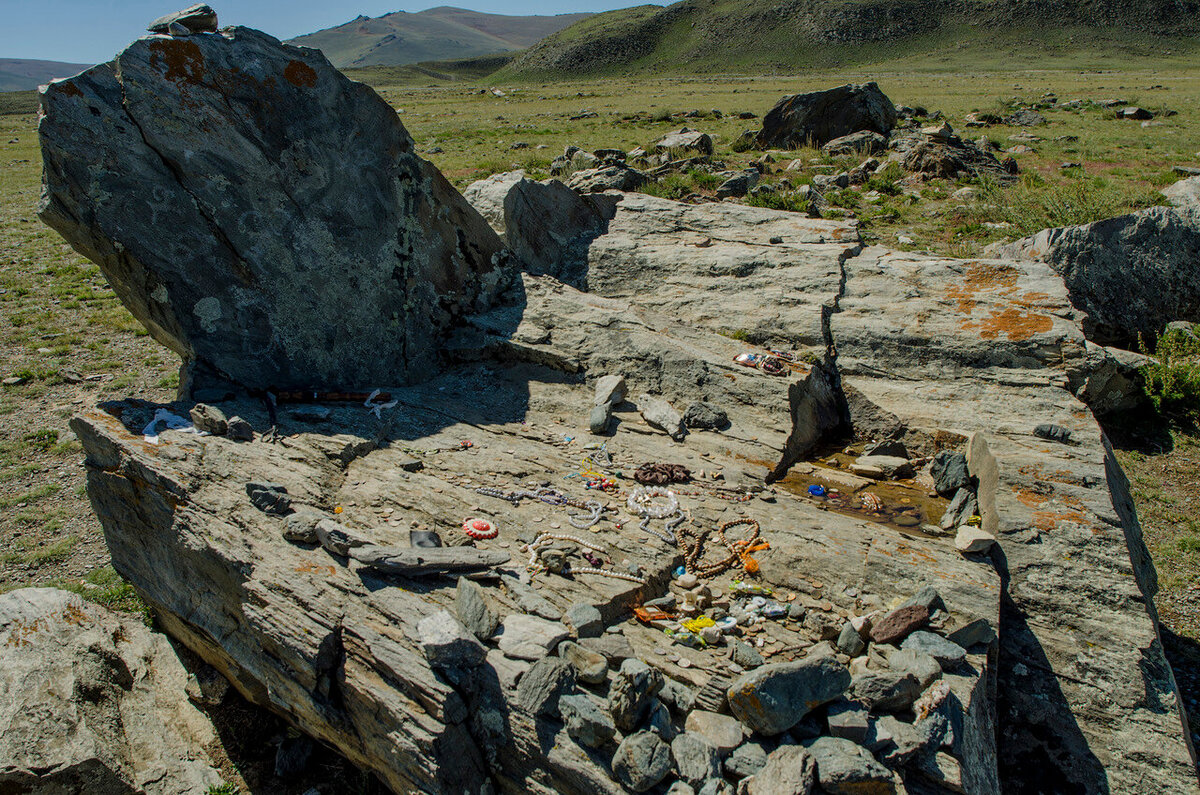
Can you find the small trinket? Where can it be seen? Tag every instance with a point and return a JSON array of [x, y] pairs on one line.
[[479, 529]]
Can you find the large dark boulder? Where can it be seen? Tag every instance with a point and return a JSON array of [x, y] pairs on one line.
[[821, 116], [265, 217]]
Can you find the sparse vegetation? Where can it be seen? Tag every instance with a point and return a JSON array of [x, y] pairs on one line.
[[1172, 382]]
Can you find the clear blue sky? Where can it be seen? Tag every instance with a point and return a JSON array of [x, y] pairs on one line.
[[91, 31]]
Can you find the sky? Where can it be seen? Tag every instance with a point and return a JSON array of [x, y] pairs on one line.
[[92, 31]]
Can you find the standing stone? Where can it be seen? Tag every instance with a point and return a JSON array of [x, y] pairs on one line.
[[586, 722], [949, 472], [473, 610], [849, 641], [610, 389], [600, 418], [820, 116], [320, 277], [641, 761], [695, 760], [789, 770], [543, 684], [775, 697], [632, 693]]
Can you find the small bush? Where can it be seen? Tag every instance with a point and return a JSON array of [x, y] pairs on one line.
[[1173, 382], [791, 202]]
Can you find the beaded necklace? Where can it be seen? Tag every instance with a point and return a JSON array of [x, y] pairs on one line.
[[692, 543], [543, 541]]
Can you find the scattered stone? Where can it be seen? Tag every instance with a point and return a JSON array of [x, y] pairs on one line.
[[546, 681], [949, 472], [584, 620], [589, 666], [745, 655], [632, 693], [696, 761], [850, 642], [746, 760], [424, 561], [610, 389], [271, 498], [586, 722], [473, 609], [641, 761], [680, 788], [1025, 118], [207, 686], [209, 419], [978, 631], [659, 721], [705, 416], [959, 509], [527, 637], [614, 177], [12, 380], [927, 597], [943, 770], [614, 648], [721, 731], [897, 743], [239, 430], [848, 720], [488, 195], [819, 117], [199, 18], [845, 768], [658, 414], [789, 770], [773, 698], [448, 644], [926, 669], [1136, 114], [886, 691], [863, 142], [947, 653], [600, 418], [685, 140], [972, 540], [896, 625], [711, 695], [738, 185], [680, 698], [301, 526], [882, 467]]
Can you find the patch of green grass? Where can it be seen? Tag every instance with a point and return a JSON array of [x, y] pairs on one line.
[[1034, 203], [107, 588], [223, 789], [1172, 383], [780, 200], [29, 497]]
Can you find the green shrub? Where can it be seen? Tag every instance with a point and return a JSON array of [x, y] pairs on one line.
[[1173, 381], [779, 200]]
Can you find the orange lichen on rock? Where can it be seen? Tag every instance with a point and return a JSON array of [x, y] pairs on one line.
[[183, 59], [300, 74], [1019, 325]]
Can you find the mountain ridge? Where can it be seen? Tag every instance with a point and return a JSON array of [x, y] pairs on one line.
[[26, 74], [435, 34]]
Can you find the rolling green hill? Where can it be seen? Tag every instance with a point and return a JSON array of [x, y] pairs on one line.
[[22, 74], [712, 36], [436, 34]]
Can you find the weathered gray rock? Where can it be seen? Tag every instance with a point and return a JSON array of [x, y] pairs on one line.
[[473, 609], [590, 666], [549, 226], [946, 652], [789, 770], [738, 185], [583, 620], [864, 142], [882, 467], [198, 18], [659, 414], [632, 693], [923, 666], [821, 116], [774, 698], [641, 761], [1129, 275], [424, 561], [600, 418], [448, 644], [845, 768], [720, 731], [696, 761], [895, 626], [338, 539], [1184, 193], [209, 419], [949, 471], [746, 760], [686, 141], [240, 288], [488, 196], [239, 430], [614, 648], [610, 389], [678, 697], [529, 637], [745, 655], [848, 720], [269, 497], [300, 526], [972, 540], [586, 722], [613, 177], [849, 641], [91, 701], [546, 681], [886, 691], [705, 416]]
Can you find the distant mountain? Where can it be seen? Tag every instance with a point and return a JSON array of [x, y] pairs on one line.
[[436, 34], [697, 36], [20, 74]]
